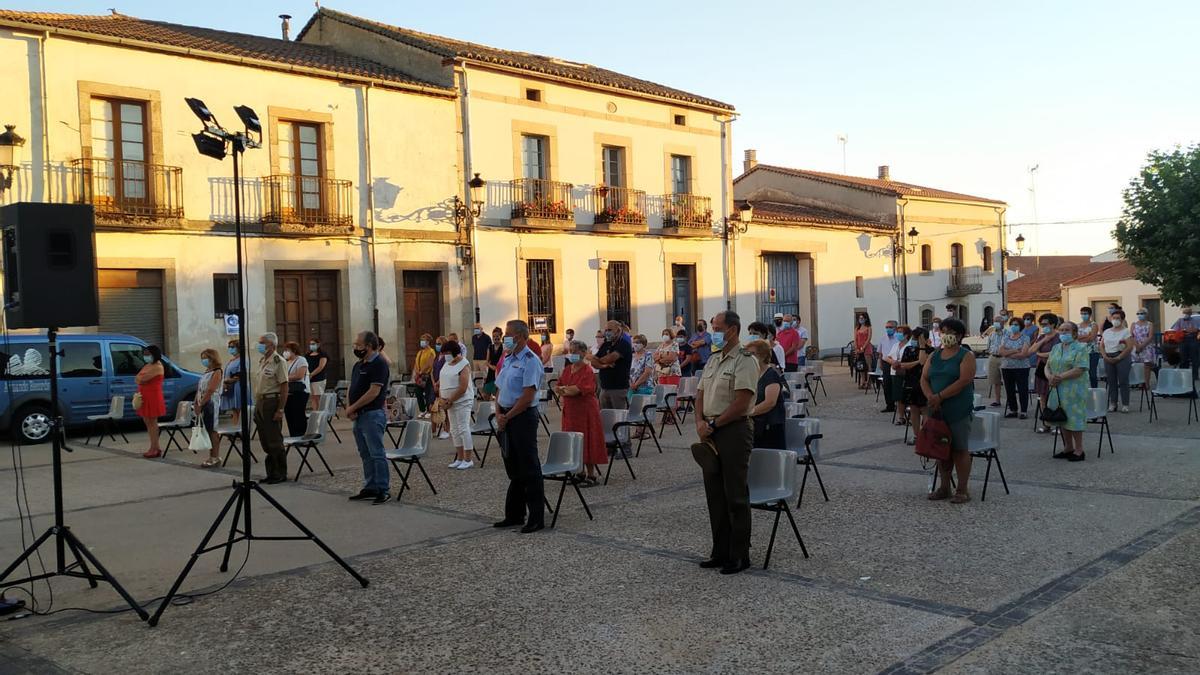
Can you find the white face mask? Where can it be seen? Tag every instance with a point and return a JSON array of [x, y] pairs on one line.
[[287, 354]]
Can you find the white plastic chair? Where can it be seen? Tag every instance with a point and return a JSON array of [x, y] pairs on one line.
[[233, 433], [314, 435], [328, 405], [564, 461], [798, 410], [179, 427], [981, 367], [106, 424], [1174, 383], [983, 443], [664, 396], [483, 424], [803, 437], [405, 409], [616, 427], [641, 405], [688, 388], [414, 444], [1097, 413], [772, 481], [814, 372]]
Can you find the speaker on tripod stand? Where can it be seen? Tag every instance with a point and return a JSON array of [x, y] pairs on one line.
[[50, 282]]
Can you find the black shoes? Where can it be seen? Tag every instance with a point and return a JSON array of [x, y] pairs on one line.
[[363, 494], [712, 563], [532, 527], [1065, 454], [735, 567], [381, 498], [888, 409], [1076, 458], [274, 480], [507, 523]]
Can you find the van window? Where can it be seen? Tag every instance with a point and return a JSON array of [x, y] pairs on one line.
[[126, 358], [24, 361], [80, 359]]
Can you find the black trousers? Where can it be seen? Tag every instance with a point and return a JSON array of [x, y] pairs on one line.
[[889, 392], [791, 367], [726, 489], [270, 436], [518, 445], [293, 412], [1016, 383]]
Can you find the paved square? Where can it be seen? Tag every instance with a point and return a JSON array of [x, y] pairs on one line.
[[1083, 567]]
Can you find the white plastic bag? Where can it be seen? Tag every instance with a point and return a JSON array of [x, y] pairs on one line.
[[200, 441]]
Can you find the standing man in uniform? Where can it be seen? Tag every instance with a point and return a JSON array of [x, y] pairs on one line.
[[723, 404], [516, 430], [270, 388], [368, 391]]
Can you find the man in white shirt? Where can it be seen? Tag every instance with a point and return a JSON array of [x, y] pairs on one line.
[[935, 333], [1190, 349], [887, 345]]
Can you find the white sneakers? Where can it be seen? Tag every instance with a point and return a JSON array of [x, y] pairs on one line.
[[461, 464], [454, 464], [444, 435], [1124, 408]]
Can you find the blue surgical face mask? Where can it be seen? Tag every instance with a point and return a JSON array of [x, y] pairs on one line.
[[573, 358], [861, 321], [796, 324], [680, 341], [312, 346], [233, 351], [718, 340], [437, 349], [204, 363], [1014, 329], [752, 337], [996, 325], [262, 348], [509, 342], [608, 335], [891, 332], [477, 331], [1086, 315], [424, 344], [1066, 338], [147, 358]]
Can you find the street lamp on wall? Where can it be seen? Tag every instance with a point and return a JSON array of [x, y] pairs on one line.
[[730, 228], [10, 155], [463, 212], [892, 250]]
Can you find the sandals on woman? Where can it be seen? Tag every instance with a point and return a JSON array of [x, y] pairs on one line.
[[960, 498], [939, 495], [210, 463]]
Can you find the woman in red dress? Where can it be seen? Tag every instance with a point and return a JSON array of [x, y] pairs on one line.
[[150, 385], [581, 411]]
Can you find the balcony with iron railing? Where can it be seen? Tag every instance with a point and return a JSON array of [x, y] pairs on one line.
[[964, 281], [307, 205], [542, 204], [129, 193], [619, 209], [687, 215]]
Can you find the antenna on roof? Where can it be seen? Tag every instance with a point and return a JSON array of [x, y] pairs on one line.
[[112, 10], [843, 139]]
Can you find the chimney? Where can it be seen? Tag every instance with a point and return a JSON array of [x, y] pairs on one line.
[[885, 172], [751, 161], [285, 20]]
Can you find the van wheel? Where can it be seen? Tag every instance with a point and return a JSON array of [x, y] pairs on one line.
[[33, 424]]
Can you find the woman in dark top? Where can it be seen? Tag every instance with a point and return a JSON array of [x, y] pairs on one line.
[[495, 350], [912, 360], [768, 413], [948, 382], [687, 360], [318, 360]]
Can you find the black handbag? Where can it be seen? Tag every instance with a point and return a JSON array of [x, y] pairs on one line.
[[1054, 415]]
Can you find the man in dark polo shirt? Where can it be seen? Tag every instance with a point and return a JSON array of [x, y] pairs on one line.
[[480, 342], [612, 360], [368, 390]]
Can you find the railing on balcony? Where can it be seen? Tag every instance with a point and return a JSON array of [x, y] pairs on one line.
[[619, 206], [308, 201], [964, 281], [536, 198], [687, 212], [126, 189]]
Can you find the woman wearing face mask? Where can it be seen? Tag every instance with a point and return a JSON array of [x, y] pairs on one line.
[[423, 373], [761, 331], [768, 413], [204, 407], [1144, 355], [1086, 333], [641, 370], [666, 359], [298, 389], [576, 388], [1117, 344], [231, 392], [439, 361], [1014, 368], [994, 334], [912, 362], [701, 343], [149, 384], [458, 393], [494, 352], [687, 355], [864, 351], [1065, 369], [547, 353], [1046, 339], [948, 383], [318, 360]]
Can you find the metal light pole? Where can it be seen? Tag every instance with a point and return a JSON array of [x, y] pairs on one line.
[[729, 229]]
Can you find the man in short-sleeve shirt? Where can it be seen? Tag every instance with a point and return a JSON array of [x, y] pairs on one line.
[[517, 420], [480, 342], [269, 386], [723, 404], [367, 394]]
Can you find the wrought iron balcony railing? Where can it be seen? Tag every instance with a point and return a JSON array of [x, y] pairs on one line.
[[536, 198], [310, 201], [618, 205], [127, 189], [687, 212], [964, 281]]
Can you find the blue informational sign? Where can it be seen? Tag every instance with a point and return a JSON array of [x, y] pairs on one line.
[[232, 327]]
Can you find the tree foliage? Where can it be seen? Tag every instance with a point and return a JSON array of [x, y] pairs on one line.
[[1159, 231]]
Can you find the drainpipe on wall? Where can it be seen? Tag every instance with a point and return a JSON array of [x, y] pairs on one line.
[[903, 299], [464, 103], [728, 268], [1000, 211], [370, 206], [45, 168]]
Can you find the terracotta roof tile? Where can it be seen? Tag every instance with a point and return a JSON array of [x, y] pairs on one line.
[[1028, 264], [451, 48], [775, 212], [1118, 270], [1045, 283], [219, 42], [888, 187]]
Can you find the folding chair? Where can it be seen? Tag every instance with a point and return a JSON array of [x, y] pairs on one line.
[[686, 395], [616, 426], [543, 397], [314, 435], [233, 433], [106, 424], [1137, 380], [341, 390], [796, 410], [1174, 383], [483, 424], [663, 395], [564, 461], [181, 426], [815, 373], [328, 406], [403, 411], [803, 437], [641, 405], [983, 442], [847, 353], [772, 480], [414, 443]]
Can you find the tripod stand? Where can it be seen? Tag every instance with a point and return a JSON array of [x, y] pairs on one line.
[[64, 538], [212, 142]]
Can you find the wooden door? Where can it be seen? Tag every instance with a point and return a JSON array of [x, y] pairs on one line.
[[422, 309], [306, 306]]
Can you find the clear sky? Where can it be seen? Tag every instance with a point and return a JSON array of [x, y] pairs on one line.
[[963, 96]]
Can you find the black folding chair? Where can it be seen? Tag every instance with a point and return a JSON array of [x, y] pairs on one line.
[[616, 445]]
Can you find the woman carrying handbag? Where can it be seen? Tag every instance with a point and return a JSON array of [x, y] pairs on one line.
[[204, 433], [948, 382], [1065, 371]]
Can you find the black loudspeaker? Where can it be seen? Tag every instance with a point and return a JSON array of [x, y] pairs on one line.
[[49, 265]]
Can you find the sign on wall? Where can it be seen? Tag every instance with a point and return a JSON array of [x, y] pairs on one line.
[[232, 324]]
